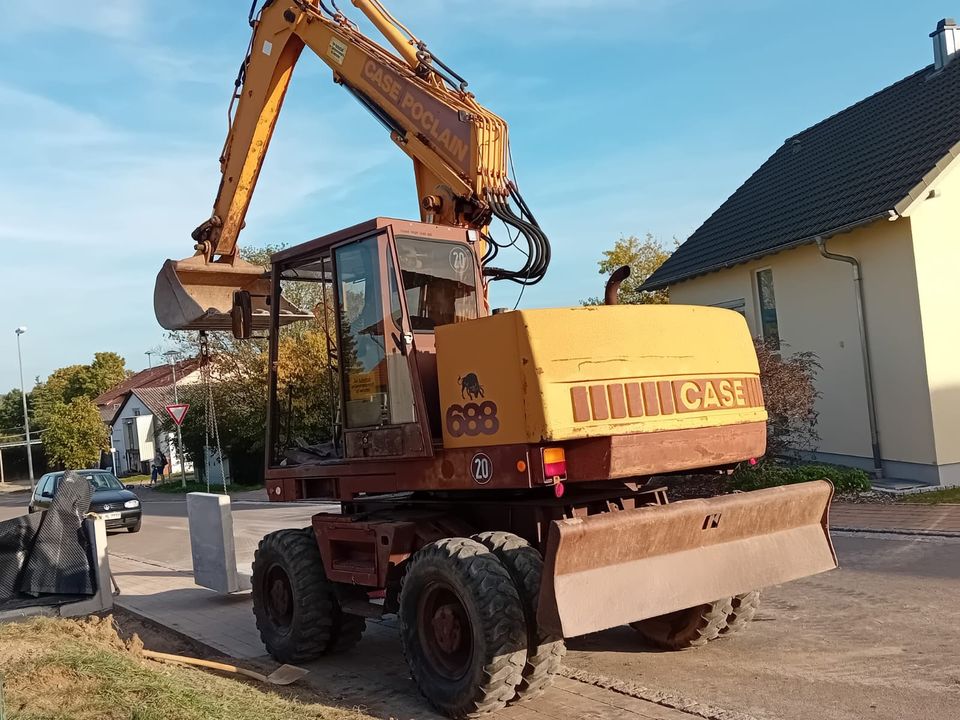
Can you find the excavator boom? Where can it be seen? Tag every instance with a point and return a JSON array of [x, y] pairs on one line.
[[459, 151]]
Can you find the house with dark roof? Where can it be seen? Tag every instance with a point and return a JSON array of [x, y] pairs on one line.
[[846, 243], [133, 411]]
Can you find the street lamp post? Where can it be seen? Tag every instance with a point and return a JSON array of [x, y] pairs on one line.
[[26, 415], [172, 355]]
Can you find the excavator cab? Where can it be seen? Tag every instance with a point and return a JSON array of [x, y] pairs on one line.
[[378, 292]]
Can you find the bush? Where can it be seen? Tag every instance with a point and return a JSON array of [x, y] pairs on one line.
[[790, 396], [771, 474]]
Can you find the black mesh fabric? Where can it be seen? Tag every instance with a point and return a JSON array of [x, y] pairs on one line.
[[60, 560], [16, 538]]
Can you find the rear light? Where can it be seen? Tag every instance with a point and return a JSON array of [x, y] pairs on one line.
[[554, 465]]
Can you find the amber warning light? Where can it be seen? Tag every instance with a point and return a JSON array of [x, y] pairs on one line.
[[554, 465]]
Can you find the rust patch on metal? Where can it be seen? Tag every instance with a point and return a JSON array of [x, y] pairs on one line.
[[598, 401], [618, 405], [650, 401], [581, 404], [666, 397], [634, 399]]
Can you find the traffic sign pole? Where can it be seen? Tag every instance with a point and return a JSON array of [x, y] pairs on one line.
[[177, 412]]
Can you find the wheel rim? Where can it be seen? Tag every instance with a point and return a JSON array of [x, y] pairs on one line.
[[279, 597], [445, 631]]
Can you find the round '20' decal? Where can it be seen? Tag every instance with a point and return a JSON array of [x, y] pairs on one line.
[[481, 468]]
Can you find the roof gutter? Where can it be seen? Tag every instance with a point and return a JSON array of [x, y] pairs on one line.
[[864, 350]]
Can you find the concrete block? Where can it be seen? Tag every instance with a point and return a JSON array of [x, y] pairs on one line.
[[212, 544]]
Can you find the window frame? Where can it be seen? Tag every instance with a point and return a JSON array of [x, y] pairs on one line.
[[761, 326]]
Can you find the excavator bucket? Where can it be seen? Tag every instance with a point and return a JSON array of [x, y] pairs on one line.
[[194, 294], [606, 570]]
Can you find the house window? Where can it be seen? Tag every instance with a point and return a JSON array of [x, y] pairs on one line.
[[131, 437], [768, 308]]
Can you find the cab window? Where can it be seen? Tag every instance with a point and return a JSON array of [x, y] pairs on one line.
[[376, 377], [439, 282]]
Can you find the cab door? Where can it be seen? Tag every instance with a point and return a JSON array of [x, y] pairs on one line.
[[383, 411]]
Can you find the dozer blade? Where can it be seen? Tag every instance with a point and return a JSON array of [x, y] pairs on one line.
[[607, 570], [194, 294]]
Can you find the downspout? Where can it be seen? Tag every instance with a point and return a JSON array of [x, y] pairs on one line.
[[864, 350]]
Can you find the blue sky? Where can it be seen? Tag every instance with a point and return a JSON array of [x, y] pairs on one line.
[[627, 117]]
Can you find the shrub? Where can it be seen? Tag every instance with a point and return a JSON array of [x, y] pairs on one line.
[[790, 396], [771, 474]]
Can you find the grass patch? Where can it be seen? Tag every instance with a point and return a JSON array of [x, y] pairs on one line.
[[770, 473], [69, 670], [949, 496], [173, 487]]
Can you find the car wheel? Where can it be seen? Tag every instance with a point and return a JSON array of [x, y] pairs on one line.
[[135, 528]]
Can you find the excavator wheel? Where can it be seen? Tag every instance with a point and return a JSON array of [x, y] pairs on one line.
[[296, 607], [689, 628], [462, 628], [744, 607], [544, 651]]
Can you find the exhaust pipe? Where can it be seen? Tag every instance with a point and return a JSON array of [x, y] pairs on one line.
[[610, 294]]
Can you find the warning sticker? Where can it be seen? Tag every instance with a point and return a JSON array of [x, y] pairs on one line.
[[337, 51], [267, 47]]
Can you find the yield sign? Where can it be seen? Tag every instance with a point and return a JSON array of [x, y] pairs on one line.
[[178, 412]]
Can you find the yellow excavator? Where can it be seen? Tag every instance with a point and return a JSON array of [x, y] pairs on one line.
[[496, 470]]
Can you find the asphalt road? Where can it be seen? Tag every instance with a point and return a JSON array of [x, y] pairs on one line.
[[875, 639]]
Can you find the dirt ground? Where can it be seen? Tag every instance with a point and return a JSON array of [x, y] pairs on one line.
[[875, 639]]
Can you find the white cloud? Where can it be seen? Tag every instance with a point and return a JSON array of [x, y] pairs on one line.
[[110, 18]]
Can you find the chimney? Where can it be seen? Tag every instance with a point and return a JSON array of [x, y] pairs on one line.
[[946, 42]]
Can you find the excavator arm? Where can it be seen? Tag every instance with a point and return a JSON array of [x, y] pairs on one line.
[[459, 151]]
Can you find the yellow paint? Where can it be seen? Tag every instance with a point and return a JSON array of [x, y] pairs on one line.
[[526, 362]]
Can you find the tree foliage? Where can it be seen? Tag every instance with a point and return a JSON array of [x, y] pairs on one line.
[[790, 395], [644, 257], [11, 412], [78, 381], [75, 434]]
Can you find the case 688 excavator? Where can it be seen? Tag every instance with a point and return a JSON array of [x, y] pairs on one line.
[[493, 468]]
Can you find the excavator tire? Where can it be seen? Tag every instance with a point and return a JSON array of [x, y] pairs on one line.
[[689, 628], [295, 606], [462, 628], [744, 607], [544, 651]]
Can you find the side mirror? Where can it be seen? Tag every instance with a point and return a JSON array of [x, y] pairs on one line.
[[241, 315], [47, 494], [129, 487]]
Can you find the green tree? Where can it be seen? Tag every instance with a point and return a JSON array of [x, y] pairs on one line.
[[11, 412], [643, 257], [77, 381], [106, 370], [75, 434]]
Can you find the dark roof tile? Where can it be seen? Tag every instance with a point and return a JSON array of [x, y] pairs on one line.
[[852, 167]]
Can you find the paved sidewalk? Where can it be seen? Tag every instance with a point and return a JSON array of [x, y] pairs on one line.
[[15, 486], [924, 519], [381, 687]]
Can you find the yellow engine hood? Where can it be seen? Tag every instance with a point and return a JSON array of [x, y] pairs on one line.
[[550, 375]]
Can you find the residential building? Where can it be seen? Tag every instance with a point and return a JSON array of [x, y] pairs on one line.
[[846, 243], [134, 411]]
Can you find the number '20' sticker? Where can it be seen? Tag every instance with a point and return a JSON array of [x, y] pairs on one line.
[[481, 468]]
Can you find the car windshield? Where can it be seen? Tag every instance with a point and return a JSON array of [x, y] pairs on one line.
[[103, 481]]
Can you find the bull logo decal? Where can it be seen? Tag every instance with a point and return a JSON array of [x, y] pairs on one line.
[[470, 386]]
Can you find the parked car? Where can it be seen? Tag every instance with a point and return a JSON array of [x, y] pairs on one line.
[[118, 506]]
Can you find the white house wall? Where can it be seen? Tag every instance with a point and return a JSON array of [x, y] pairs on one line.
[[937, 247], [816, 311]]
